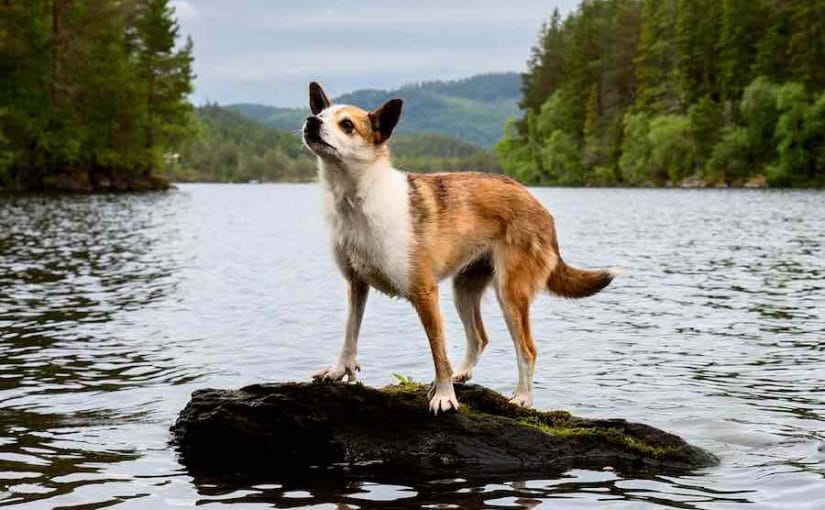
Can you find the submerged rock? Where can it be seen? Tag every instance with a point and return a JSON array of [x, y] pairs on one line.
[[290, 426]]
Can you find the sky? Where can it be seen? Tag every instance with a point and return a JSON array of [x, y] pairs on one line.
[[266, 51]]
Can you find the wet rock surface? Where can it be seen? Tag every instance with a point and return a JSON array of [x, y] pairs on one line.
[[292, 426]]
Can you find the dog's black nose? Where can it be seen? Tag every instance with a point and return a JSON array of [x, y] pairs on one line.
[[312, 126]]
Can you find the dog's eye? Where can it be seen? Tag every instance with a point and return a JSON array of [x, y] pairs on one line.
[[347, 125]]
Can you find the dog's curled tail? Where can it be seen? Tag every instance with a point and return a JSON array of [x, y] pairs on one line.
[[570, 282]]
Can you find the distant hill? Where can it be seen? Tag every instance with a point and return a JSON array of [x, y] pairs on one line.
[[230, 147], [473, 109]]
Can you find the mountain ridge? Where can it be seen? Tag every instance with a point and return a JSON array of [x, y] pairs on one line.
[[473, 109]]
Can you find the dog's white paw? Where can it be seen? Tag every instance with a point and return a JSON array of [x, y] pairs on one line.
[[463, 375], [442, 398], [338, 372], [522, 399]]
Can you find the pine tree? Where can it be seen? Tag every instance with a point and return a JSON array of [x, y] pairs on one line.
[[544, 69], [167, 75], [697, 33], [807, 43], [593, 148], [773, 44], [658, 57], [739, 33], [25, 36]]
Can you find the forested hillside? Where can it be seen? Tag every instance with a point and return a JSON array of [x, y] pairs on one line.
[[431, 152], [228, 147], [473, 109], [92, 93], [652, 92]]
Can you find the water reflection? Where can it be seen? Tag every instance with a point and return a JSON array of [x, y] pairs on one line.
[[70, 268], [580, 486], [114, 308]]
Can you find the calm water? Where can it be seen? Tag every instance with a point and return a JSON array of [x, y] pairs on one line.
[[113, 309]]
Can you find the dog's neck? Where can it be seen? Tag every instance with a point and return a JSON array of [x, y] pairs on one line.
[[351, 181]]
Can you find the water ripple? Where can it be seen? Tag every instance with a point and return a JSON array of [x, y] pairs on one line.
[[114, 308]]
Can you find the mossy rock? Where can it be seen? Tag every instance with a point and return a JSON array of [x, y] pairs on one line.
[[290, 426]]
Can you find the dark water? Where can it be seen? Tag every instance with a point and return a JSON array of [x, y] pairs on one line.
[[113, 309]]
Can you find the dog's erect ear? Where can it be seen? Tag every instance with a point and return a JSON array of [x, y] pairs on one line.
[[318, 101], [385, 118]]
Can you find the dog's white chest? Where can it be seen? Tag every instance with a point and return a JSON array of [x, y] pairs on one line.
[[371, 230]]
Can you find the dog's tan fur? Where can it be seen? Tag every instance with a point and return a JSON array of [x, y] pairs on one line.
[[476, 228]]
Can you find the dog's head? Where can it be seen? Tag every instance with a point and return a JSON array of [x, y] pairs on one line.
[[347, 133]]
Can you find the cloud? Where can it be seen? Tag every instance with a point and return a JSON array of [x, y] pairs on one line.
[[266, 50]]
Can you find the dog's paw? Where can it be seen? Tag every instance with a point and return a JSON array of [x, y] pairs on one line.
[[442, 398], [522, 399], [463, 375], [338, 372]]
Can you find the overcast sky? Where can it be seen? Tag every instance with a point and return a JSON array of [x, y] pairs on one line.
[[265, 51]]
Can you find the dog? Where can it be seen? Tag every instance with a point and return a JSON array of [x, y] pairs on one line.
[[401, 233]]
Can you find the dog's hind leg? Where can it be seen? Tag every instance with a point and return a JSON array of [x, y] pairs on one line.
[[346, 366], [468, 287], [519, 276]]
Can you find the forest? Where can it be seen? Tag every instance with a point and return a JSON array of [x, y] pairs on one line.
[[94, 96], [93, 93], [674, 92]]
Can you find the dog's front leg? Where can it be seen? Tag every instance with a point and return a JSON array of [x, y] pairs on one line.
[[443, 395], [346, 366]]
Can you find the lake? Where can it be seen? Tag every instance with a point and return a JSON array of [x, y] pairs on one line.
[[114, 308]]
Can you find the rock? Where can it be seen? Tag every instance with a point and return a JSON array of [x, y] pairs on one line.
[[694, 181], [290, 426], [757, 181]]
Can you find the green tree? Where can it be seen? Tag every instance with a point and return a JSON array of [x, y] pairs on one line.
[[634, 162], [516, 155], [562, 160], [731, 158], [773, 43], [807, 43], [791, 135], [697, 34], [706, 123], [544, 68], [815, 140], [760, 113], [741, 27], [673, 150], [594, 146], [657, 72], [167, 77]]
